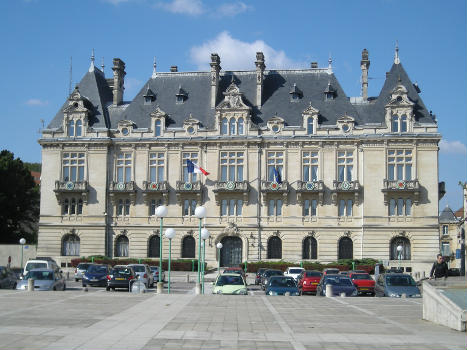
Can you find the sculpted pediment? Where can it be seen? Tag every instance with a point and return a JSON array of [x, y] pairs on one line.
[[310, 110], [399, 97], [158, 113], [233, 99]]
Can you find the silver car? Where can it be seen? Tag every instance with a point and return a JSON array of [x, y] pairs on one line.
[[44, 279], [155, 273], [144, 274], [81, 270], [395, 285]]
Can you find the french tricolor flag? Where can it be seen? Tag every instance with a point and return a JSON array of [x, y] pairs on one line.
[[195, 168]]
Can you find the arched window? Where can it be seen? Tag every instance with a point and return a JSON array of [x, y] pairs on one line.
[[71, 128], [79, 127], [310, 248], [395, 123], [345, 248], [121, 246], [404, 254], [188, 247], [158, 128], [404, 123], [232, 125], [70, 245], [224, 125], [309, 126], [154, 247], [274, 248], [240, 126]]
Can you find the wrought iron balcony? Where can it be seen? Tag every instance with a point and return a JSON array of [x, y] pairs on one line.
[[395, 187], [231, 187], [310, 187], [75, 187]]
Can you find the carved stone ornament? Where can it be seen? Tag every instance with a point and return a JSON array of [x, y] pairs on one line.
[[233, 99], [311, 234], [347, 233], [158, 113], [231, 229]]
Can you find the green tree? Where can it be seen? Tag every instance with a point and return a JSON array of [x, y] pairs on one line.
[[19, 201]]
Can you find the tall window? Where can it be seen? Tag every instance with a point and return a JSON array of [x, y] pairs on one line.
[[75, 128], [345, 165], [154, 204], [232, 126], [158, 128], [309, 126], [445, 249], [193, 156], [399, 164], [274, 248], [345, 207], [72, 206], [275, 207], [123, 207], [156, 166], [153, 247], [224, 126], [310, 248], [73, 166], [232, 166], [70, 245], [399, 124], [309, 207], [404, 254], [71, 128], [240, 123], [310, 166], [445, 230], [121, 246], [188, 247], [189, 206], [231, 207], [400, 207], [275, 161], [345, 248], [124, 162]]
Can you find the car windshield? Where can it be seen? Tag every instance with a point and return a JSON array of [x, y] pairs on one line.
[[233, 271], [331, 271], [400, 281], [282, 282], [82, 266], [97, 269], [295, 271], [273, 273], [313, 274], [338, 281], [154, 268], [35, 265], [138, 268], [122, 271], [40, 275], [361, 276], [229, 280]]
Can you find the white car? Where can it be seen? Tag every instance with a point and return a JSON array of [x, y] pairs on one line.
[[293, 272], [144, 273]]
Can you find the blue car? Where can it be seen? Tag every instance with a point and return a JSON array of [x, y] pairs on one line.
[[96, 276], [340, 284], [282, 285]]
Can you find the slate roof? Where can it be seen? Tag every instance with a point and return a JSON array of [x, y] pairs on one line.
[[312, 83], [447, 216]]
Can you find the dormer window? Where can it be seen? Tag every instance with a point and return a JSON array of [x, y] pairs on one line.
[[125, 127], [399, 124], [329, 92], [295, 94], [158, 128], [149, 96], [191, 125], [75, 128], [309, 125], [232, 126], [181, 95]]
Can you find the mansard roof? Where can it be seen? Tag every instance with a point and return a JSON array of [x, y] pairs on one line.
[[447, 216]]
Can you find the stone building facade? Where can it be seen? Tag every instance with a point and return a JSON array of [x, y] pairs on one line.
[[297, 170]]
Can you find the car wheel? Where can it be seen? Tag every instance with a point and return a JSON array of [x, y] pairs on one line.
[[55, 289], [76, 279], [107, 289], [84, 285], [64, 287]]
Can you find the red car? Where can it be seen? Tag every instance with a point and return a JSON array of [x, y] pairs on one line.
[[308, 281], [364, 283]]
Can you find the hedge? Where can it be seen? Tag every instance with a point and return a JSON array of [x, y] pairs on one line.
[[176, 265]]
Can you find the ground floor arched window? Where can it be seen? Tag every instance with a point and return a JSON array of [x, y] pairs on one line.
[[345, 248], [122, 246], [188, 247], [274, 248], [70, 245], [310, 248], [154, 247], [404, 252]]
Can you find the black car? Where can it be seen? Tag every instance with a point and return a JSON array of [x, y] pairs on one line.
[[267, 274], [96, 275], [259, 273], [121, 277]]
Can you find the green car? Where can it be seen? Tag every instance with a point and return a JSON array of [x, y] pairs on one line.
[[230, 283]]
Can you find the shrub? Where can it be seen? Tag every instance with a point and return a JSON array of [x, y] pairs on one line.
[[176, 265]]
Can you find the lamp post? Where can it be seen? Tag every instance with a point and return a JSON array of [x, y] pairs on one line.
[[200, 213], [219, 247], [22, 241], [169, 233], [399, 254], [161, 212], [204, 237]]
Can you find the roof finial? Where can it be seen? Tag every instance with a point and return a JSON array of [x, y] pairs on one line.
[[102, 64], [154, 72], [330, 64], [91, 67], [396, 55]]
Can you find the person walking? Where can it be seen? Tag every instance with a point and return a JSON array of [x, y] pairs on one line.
[[439, 269]]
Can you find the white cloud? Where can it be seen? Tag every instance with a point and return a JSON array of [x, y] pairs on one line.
[[240, 55], [452, 147], [37, 102], [232, 9], [187, 7]]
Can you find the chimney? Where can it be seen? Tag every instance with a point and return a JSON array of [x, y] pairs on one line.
[[215, 69], [173, 68], [260, 66], [364, 65], [119, 75], [314, 64]]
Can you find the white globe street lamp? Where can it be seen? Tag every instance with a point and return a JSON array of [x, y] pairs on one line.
[[161, 212], [200, 213], [204, 236], [219, 247], [22, 241], [399, 254], [169, 233]]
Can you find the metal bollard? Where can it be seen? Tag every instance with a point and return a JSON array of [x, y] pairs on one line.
[[198, 288], [68, 276], [403, 296], [160, 287], [329, 290], [343, 295], [187, 278], [30, 285]]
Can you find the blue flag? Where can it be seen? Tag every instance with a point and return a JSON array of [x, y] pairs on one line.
[[277, 176], [190, 166]]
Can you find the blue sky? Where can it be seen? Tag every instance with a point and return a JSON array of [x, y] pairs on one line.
[[39, 37]]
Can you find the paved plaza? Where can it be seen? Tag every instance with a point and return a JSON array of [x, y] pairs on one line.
[[97, 320]]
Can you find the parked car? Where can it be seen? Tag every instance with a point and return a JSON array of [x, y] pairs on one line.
[[267, 274], [395, 284], [8, 278], [155, 273], [308, 281], [44, 279], [40, 264], [281, 285], [230, 283], [80, 270], [330, 271], [121, 276], [455, 271], [340, 284], [345, 273], [364, 283], [259, 274], [294, 272], [96, 275], [144, 273], [237, 270]]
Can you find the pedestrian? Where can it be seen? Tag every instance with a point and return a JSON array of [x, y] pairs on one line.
[[440, 268]]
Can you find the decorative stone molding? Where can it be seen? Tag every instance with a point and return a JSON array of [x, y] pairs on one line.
[[231, 187], [340, 187], [188, 188], [126, 188], [72, 187], [269, 188], [310, 187], [397, 187], [150, 189]]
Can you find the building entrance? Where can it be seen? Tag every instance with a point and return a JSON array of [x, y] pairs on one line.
[[231, 252]]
